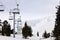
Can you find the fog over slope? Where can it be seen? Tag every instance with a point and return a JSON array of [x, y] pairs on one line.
[[40, 25]]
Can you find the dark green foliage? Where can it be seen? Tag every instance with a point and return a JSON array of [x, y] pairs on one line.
[[0, 23], [0, 26], [46, 35], [12, 31], [6, 29], [56, 31], [57, 38], [26, 31]]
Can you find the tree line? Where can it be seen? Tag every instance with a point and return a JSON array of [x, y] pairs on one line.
[[26, 30]]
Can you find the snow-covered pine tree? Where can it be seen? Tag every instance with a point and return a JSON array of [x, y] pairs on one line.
[[56, 31], [6, 28], [45, 34], [26, 31]]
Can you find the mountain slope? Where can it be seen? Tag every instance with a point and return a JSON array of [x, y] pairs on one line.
[[40, 25]]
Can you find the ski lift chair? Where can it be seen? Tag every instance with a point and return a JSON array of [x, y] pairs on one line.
[[10, 16], [16, 11], [1, 7]]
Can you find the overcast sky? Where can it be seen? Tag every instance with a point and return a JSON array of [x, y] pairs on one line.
[[30, 9]]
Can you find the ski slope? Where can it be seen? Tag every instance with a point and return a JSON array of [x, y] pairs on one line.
[[40, 25], [19, 37]]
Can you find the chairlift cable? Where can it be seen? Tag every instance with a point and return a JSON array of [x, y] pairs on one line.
[[16, 3]]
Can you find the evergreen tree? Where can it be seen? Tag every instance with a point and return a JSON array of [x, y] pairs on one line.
[[37, 33], [56, 31], [26, 31], [0, 26], [46, 35], [12, 31], [0, 22], [6, 28]]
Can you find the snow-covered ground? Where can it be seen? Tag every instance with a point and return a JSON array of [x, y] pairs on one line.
[[19, 37]]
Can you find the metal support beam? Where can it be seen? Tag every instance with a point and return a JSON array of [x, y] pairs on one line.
[[14, 25]]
